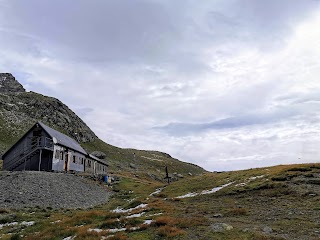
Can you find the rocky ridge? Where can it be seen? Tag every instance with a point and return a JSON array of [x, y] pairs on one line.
[[19, 110], [8, 83]]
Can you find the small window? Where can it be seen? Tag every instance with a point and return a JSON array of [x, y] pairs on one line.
[[74, 159], [61, 155], [57, 156]]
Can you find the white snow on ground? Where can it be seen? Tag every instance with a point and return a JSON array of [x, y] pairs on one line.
[[121, 210], [114, 230], [188, 195], [27, 224], [56, 221], [135, 215], [8, 224], [147, 222], [256, 177], [213, 190], [240, 184], [156, 214], [70, 238], [249, 180], [216, 189], [159, 190], [98, 230]]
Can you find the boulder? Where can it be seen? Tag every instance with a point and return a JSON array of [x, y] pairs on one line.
[[221, 227], [133, 166], [99, 154], [267, 230]]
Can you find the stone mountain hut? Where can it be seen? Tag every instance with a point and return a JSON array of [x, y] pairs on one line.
[[45, 149]]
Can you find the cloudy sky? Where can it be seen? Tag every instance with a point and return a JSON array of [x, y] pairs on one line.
[[225, 84]]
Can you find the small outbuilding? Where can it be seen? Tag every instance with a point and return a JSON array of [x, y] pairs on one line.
[[45, 149]]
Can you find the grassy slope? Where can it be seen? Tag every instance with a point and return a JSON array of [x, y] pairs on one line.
[[285, 199], [151, 162]]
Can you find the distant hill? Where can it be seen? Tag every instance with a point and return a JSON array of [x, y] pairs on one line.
[[19, 110]]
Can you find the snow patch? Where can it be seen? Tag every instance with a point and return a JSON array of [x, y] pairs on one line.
[[98, 230], [158, 190], [69, 238], [56, 221], [135, 215], [148, 222], [240, 184], [213, 190], [121, 210], [156, 214], [256, 177], [27, 224], [115, 230]]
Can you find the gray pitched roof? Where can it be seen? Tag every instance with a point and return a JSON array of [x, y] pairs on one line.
[[63, 139]]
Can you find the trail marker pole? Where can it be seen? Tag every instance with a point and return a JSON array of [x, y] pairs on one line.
[[167, 175]]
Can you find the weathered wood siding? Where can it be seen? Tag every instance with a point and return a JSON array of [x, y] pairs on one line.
[[21, 149]]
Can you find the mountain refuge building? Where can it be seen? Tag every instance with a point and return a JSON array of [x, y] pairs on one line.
[[45, 149]]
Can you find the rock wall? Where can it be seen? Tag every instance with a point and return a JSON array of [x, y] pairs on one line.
[[8, 83]]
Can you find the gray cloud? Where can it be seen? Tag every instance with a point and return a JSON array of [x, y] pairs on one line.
[[237, 80], [228, 123]]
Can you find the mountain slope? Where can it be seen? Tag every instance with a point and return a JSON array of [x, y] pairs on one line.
[[19, 110], [273, 203]]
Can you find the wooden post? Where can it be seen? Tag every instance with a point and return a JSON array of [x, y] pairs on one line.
[[167, 175], [40, 158]]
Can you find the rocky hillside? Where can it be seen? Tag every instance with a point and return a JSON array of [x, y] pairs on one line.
[[19, 110]]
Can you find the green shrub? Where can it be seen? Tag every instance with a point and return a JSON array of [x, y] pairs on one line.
[[15, 237], [300, 169], [133, 204]]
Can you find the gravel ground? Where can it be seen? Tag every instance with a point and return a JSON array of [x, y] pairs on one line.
[[44, 189]]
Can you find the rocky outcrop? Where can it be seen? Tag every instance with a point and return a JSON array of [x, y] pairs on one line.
[[99, 154], [8, 83]]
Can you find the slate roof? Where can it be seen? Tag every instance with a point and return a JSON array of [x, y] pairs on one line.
[[62, 139]]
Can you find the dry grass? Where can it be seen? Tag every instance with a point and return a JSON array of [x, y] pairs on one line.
[[53, 232], [110, 223], [178, 222], [83, 233], [118, 236], [237, 212], [158, 204], [169, 232]]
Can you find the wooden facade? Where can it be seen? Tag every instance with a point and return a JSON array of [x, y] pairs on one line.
[[45, 149]]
